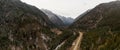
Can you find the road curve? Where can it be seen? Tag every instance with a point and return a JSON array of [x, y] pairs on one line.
[[77, 42]]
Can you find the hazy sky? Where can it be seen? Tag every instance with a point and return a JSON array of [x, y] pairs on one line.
[[68, 8]]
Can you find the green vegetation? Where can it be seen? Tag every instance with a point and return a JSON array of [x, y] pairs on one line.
[[107, 34], [101, 39], [59, 39], [68, 42], [103, 34]]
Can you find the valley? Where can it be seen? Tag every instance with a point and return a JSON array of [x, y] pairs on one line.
[[26, 27]]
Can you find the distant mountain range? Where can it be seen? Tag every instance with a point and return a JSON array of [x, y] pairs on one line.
[[58, 19], [67, 20]]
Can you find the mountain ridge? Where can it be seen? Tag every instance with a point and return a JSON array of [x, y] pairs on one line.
[[53, 18], [101, 27]]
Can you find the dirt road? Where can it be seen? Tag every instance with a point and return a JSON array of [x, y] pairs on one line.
[[77, 42]]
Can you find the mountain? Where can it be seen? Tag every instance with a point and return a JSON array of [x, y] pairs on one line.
[[95, 15], [24, 27], [67, 20], [101, 27], [53, 18]]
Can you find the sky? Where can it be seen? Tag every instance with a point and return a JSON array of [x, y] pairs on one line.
[[67, 8]]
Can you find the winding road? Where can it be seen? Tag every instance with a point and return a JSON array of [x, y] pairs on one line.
[[77, 42]]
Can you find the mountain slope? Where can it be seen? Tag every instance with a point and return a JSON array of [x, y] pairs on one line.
[[23, 27], [101, 26], [89, 20], [53, 17], [80, 16]]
